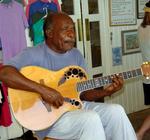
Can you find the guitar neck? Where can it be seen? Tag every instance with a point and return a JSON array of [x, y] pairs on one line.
[[102, 81]]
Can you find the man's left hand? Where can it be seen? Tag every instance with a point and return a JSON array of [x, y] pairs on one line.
[[117, 84]]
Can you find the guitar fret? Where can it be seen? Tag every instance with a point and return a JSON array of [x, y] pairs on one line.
[[106, 80], [101, 81], [120, 74], [129, 74], [85, 85], [79, 87], [110, 79], [92, 83], [97, 83], [139, 72], [89, 84], [125, 75], [134, 73]]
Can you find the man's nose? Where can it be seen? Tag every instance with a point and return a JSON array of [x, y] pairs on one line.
[[71, 34]]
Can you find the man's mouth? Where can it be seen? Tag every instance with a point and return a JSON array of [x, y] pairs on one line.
[[69, 41]]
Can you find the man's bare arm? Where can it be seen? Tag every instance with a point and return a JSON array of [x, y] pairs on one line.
[[14, 79]]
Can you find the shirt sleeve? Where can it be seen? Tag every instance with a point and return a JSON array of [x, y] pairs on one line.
[[22, 59]]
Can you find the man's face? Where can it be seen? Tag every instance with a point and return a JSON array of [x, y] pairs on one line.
[[63, 34]]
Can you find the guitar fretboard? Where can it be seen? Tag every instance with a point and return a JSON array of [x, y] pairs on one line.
[[102, 81]]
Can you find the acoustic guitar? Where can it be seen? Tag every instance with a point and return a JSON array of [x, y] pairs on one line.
[[33, 113]]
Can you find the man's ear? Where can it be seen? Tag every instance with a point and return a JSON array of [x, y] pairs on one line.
[[49, 33]]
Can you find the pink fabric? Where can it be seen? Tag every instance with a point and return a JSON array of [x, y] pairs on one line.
[[5, 117], [12, 29]]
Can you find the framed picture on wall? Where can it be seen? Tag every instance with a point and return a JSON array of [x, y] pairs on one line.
[[140, 8], [117, 56], [122, 12], [129, 42]]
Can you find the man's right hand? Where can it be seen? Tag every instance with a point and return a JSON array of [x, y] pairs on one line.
[[52, 97]]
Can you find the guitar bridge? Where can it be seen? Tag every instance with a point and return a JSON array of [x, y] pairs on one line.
[[48, 107]]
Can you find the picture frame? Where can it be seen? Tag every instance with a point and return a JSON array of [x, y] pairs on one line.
[[122, 13], [140, 8], [129, 42], [117, 56]]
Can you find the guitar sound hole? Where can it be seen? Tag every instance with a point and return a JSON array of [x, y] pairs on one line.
[[76, 103], [81, 74], [75, 71], [68, 73]]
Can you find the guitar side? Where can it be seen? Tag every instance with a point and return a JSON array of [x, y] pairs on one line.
[[31, 111]]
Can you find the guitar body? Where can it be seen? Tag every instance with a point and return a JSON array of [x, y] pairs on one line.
[[31, 111]]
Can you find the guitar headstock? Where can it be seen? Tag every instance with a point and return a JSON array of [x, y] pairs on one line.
[[145, 67]]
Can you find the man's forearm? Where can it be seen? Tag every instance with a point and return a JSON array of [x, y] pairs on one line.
[[93, 95], [14, 79]]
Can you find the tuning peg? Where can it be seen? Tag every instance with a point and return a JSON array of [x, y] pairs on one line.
[[145, 63]]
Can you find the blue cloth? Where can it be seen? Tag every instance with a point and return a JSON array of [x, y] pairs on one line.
[[45, 57], [39, 6]]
